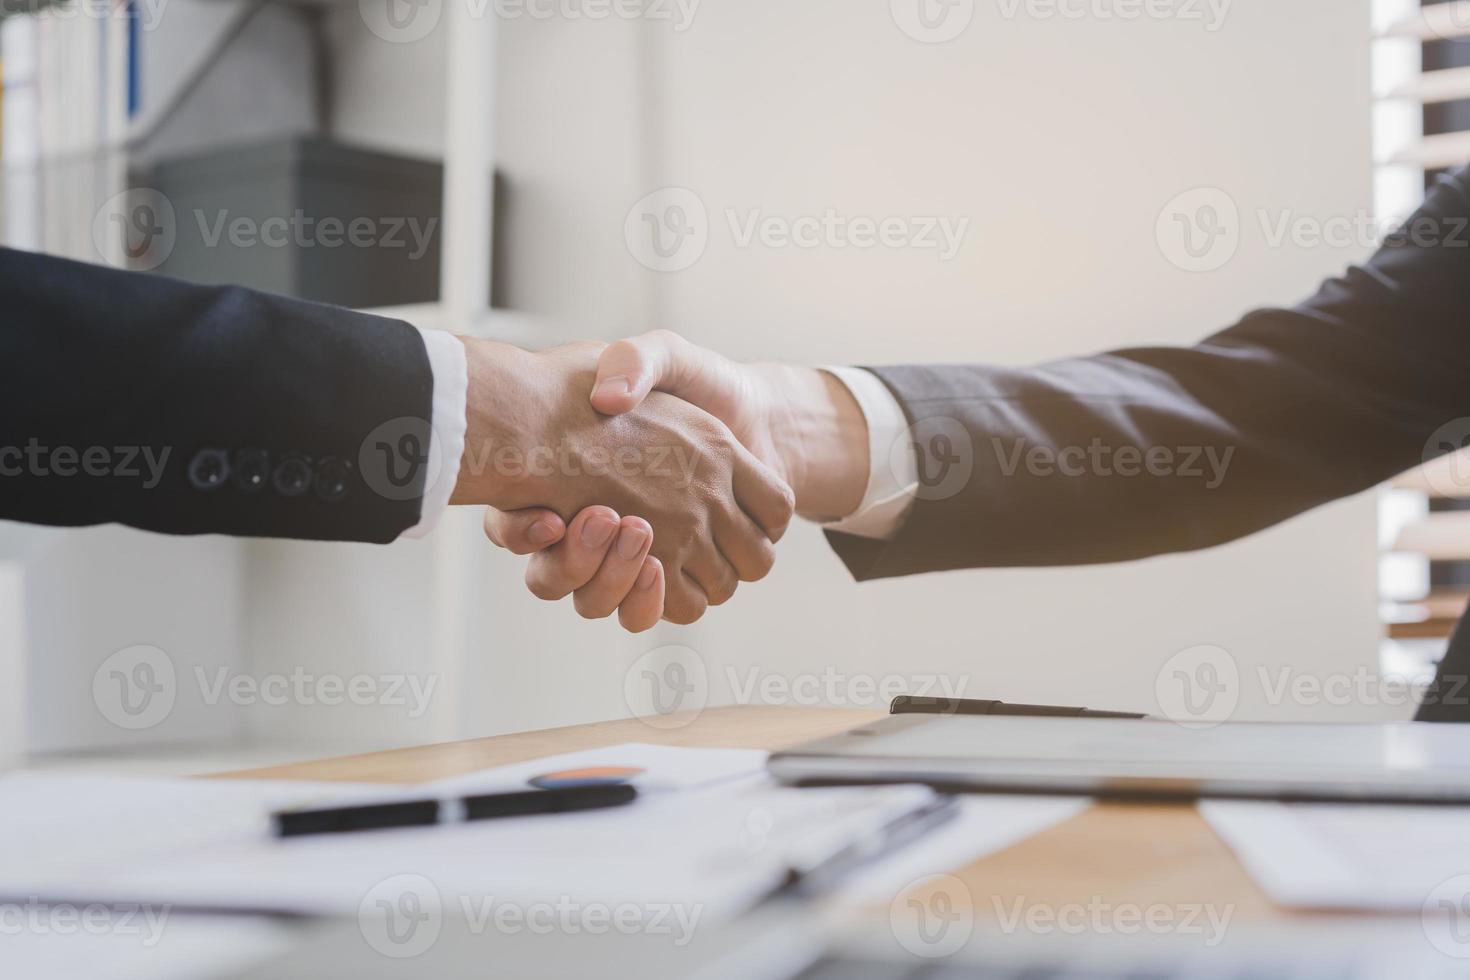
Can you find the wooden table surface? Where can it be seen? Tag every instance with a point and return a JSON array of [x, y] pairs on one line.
[[1117, 853]]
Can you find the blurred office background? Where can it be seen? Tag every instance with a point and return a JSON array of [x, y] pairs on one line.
[[1061, 139]]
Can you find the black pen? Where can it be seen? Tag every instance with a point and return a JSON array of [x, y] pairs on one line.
[[906, 704], [427, 813]]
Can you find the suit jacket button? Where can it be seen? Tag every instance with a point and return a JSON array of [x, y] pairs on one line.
[[252, 470], [209, 469], [332, 476], [293, 475]]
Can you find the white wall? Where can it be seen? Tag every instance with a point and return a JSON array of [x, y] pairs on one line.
[[1061, 141], [13, 667], [91, 594]]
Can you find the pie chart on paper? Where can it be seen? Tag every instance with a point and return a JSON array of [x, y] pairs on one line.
[[590, 776]]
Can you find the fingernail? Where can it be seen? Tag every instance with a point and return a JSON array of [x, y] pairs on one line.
[[596, 533], [615, 386], [630, 542], [648, 576], [542, 533]]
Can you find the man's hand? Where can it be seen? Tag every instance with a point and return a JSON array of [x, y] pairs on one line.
[[708, 510], [801, 422], [604, 561]]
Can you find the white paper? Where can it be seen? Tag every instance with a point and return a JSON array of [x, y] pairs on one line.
[[63, 829], [713, 852], [665, 769], [710, 835], [709, 830], [1345, 857], [184, 947], [985, 825]]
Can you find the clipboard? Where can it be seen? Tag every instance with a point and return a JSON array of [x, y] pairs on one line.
[[960, 746]]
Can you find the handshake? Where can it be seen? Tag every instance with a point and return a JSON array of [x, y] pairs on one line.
[[650, 477]]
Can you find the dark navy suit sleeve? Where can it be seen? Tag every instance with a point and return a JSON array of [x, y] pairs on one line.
[[184, 409], [1297, 406], [1368, 378]]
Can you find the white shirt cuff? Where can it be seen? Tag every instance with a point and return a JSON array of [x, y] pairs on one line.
[[893, 472], [450, 367]]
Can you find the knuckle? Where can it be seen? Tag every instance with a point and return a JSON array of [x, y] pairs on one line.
[[724, 592], [635, 622], [683, 539], [492, 528], [683, 608], [763, 561], [542, 585], [591, 606], [518, 542], [788, 502]]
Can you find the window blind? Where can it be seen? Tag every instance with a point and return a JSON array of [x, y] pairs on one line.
[[1421, 75]]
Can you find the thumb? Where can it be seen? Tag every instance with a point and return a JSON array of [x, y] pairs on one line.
[[627, 371]]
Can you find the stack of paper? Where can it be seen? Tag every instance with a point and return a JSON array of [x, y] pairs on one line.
[[1347, 857], [709, 835]]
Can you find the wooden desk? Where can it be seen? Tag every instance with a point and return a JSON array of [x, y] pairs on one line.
[[1116, 853]]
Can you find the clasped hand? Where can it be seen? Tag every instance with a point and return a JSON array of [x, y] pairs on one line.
[[635, 502]]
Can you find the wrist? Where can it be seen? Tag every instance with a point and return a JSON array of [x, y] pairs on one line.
[[821, 435], [498, 416]]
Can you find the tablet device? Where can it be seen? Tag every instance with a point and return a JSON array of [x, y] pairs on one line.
[[1147, 759]]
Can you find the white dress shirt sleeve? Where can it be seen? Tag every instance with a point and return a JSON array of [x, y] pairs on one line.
[[893, 472], [450, 368]]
